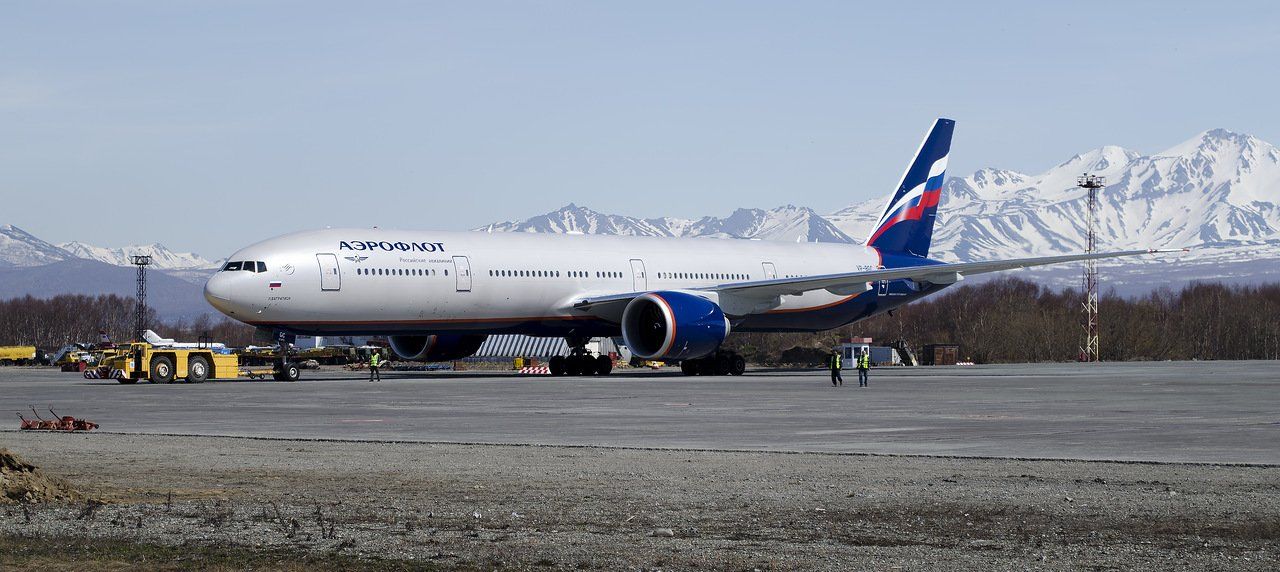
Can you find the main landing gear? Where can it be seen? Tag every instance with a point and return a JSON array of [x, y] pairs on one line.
[[722, 362], [579, 361]]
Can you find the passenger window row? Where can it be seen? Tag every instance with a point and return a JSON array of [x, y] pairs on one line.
[[553, 274], [703, 276], [245, 265], [610, 274], [525, 273], [398, 271]]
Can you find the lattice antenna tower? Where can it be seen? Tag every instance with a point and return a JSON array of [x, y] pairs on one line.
[[1089, 349], [142, 261]]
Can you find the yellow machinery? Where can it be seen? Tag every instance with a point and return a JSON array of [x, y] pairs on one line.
[[158, 364], [20, 355]]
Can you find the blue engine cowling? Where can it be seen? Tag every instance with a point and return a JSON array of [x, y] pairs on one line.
[[673, 325], [435, 347]]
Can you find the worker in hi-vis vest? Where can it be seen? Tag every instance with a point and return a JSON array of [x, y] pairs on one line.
[[375, 363], [835, 362], [864, 365]]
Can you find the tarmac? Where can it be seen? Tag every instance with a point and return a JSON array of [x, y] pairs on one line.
[[1196, 412]]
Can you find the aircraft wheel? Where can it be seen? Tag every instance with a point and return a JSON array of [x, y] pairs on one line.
[[737, 365], [604, 365], [722, 364], [290, 373], [572, 366], [556, 365], [587, 365], [706, 366], [689, 367], [197, 369], [162, 369]]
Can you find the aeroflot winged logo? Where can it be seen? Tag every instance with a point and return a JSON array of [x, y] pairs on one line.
[[357, 259], [391, 246]]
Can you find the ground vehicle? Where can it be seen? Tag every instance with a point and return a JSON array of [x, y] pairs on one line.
[[161, 364], [20, 355]]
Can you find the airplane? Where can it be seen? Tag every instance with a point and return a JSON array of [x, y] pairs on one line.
[[437, 295]]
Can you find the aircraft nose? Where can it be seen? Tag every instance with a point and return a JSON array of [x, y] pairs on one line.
[[218, 292]]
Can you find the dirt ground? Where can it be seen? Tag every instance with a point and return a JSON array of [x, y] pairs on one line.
[[229, 503]]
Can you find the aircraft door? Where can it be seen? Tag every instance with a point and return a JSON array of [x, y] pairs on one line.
[[770, 272], [884, 287], [462, 273], [639, 282], [330, 275]]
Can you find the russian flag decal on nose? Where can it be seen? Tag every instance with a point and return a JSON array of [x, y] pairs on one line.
[[275, 285]]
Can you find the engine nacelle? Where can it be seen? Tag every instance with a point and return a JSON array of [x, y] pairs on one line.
[[434, 347], [673, 325]]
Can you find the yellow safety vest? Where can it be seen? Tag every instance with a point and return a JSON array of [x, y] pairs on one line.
[[864, 361], [836, 361], [374, 358]]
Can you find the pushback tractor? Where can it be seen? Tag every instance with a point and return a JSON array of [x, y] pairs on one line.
[[157, 364]]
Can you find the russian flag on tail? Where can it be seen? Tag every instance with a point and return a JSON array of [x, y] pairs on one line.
[[906, 226]]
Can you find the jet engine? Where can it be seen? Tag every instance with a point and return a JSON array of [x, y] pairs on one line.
[[434, 347], [673, 325]]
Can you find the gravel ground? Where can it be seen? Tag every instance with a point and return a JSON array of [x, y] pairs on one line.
[[543, 507]]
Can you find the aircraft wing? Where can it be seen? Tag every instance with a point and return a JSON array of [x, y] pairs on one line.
[[848, 283]]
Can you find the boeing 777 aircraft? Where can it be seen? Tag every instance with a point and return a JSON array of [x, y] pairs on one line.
[[437, 295]]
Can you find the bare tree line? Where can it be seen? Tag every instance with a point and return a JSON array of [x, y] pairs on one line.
[[1013, 320], [54, 322], [1009, 320]]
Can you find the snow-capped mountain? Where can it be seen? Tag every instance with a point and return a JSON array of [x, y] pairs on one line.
[[20, 248], [789, 223], [161, 258], [1218, 190]]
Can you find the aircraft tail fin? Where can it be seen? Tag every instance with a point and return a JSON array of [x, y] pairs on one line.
[[907, 223]]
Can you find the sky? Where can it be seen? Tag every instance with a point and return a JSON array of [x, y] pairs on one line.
[[207, 126]]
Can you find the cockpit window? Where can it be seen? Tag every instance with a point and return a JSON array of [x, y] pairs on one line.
[[262, 266], [232, 266]]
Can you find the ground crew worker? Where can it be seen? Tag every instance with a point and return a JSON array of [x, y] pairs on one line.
[[835, 362], [375, 362], [864, 365]]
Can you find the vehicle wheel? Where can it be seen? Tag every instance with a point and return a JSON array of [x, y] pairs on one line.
[[556, 365], [572, 366], [722, 364], [290, 373], [689, 367], [737, 365], [604, 365], [162, 369], [197, 369]]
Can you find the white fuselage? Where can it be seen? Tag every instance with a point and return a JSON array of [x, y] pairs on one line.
[[373, 281]]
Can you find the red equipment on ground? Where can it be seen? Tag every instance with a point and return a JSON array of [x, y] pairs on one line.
[[58, 423]]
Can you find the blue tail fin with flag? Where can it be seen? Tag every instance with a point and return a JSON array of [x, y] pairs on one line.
[[907, 223]]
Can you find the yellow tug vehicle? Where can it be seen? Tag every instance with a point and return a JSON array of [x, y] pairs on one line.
[[141, 361]]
